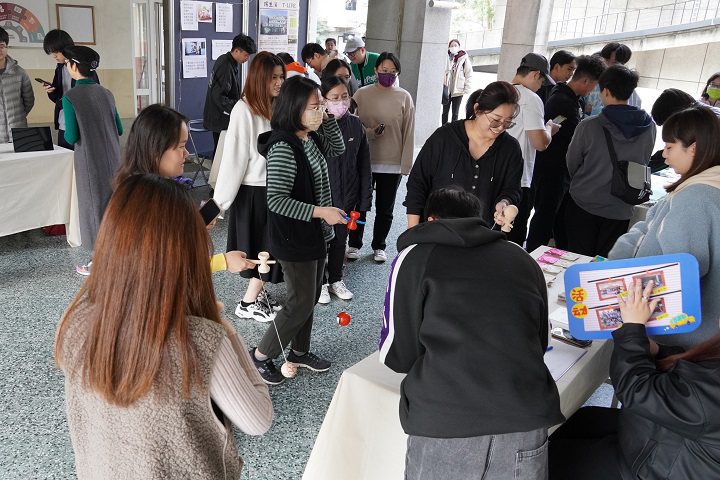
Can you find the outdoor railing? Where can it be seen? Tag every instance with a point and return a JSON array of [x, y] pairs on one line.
[[667, 15]]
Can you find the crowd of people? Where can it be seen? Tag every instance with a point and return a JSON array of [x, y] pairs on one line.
[[299, 148]]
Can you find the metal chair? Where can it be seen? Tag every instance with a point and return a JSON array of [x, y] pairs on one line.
[[198, 158]]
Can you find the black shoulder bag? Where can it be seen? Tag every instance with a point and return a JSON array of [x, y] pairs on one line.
[[630, 180]]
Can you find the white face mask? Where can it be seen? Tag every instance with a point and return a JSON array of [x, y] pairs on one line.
[[312, 119], [454, 50]]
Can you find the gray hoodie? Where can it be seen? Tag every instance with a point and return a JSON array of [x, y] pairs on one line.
[[588, 158], [16, 98]]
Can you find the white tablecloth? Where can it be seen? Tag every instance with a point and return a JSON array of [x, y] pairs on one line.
[[38, 189], [361, 437]]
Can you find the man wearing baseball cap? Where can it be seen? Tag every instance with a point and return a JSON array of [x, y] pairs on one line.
[[363, 62], [530, 130]]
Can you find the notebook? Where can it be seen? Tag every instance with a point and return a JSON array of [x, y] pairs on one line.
[[32, 139]]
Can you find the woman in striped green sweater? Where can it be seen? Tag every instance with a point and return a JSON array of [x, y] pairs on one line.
[[300, 214]]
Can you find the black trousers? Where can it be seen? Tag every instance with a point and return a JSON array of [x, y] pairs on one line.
[[548, 189], [589, 234], [336, 254], [294, 322], [586, 446], [455, 104], [520, 227], [386, 187], [62, 142], [216, 140]]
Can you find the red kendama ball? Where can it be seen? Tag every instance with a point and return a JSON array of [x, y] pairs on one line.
[[343, 319]]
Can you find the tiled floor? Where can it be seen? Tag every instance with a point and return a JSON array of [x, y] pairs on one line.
[[37, 282]]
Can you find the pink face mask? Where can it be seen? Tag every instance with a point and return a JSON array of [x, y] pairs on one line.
[[338, 107]]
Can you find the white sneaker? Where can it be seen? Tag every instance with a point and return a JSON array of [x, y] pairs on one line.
[[339, 289], [379, 255], [352, 253], [256, 311], [324, 295]]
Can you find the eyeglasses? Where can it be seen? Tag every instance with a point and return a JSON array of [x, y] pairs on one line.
[[495, 123], [353, 53]]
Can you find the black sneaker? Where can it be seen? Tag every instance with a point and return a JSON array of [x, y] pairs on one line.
[[309, 360], [267, 370], [265, 298]]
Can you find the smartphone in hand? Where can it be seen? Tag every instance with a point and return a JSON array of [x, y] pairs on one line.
[[380, 129], [559, 119], [44, 82], [209, 211]]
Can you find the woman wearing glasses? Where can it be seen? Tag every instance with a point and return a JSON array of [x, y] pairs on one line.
[[477, 154], [300, 216]]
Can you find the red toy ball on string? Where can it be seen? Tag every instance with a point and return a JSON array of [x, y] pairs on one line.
[[352, 222], [343, 319]]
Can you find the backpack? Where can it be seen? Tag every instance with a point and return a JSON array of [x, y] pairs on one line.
[[630, 180]]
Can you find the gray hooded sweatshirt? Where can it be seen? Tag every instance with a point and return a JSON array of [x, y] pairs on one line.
[[588, 158]]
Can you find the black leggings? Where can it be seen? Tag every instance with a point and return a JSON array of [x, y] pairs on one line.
[[455, 103]]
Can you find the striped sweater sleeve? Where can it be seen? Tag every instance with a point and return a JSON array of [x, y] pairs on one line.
[[238, 390], [281, 171], [331, 139]]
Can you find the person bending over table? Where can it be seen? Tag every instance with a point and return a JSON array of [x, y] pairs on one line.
[[477, 399], [153, 376], [300, 215], [477, 154], [669, 423]]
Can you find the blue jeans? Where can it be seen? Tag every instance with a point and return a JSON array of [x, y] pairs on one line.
[[509, 456]]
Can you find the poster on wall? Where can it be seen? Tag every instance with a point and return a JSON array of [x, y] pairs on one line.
[[279, 23], [188, 16], [219, 47], [194, 57], [223, 17], [27, 23], [204, 12]]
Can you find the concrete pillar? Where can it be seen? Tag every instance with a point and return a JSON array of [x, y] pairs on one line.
[[522, 34], [418, 35]]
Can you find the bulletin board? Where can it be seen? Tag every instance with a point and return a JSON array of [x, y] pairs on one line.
[[78, 21], [190, 92]]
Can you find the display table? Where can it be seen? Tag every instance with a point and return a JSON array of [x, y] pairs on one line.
[[658, 181], [38, 189], [361, 436]]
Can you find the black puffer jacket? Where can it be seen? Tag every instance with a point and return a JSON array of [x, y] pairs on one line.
[[670, 421], [350, 174]]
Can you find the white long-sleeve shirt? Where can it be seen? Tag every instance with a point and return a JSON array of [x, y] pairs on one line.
[[241, 163]]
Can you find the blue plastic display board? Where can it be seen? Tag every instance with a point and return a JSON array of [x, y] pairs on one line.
[[591, 291]]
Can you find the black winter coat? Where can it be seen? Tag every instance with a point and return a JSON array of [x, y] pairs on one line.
[[445, 160], [669, 425], [350, 173], [224, 90]]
